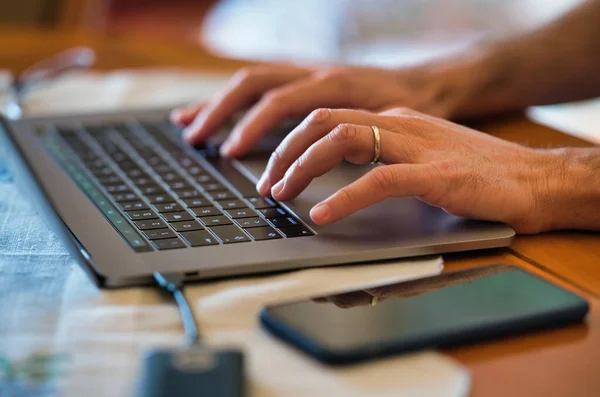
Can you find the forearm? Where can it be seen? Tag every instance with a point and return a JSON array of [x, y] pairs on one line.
[[570, 195], [556, 63]]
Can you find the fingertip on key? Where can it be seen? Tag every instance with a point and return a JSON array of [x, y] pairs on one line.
[[277, 189], [262, 185], [176, 116]]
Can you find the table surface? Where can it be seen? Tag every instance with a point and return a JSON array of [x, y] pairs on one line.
[[550, 363]]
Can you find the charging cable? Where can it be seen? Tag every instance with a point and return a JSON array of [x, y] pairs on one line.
[[173, 284]]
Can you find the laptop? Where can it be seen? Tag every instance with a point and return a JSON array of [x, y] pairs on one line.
[[129, 198]]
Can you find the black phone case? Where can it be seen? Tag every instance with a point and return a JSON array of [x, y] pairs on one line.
[[492, 329]]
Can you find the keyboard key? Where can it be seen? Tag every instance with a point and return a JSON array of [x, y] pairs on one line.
[[125, 196], [133, 205], [252, 222], [184, 194], [295, 231], [185, 161], [204, 178], [284, 222], [205, 211], [141, 215], [272, 212], [241, 213], [152, 189], [150, 224], [170, 176], [130, 166], [195, 170], [186, 226], [263, 233], [143, 181], [177, 216], [110, 180], [162, 168], [216, 220], [222, 195], [230, 234], [104, 171], [157, 234], [153, 160], [160, 198], [197, 202], [168, 243], [169, 207], [119, 157], [229, 172], [199, 238], [261, 202], [180, 185], [231, 204], [117, 188], [134, 173], [212, 187]]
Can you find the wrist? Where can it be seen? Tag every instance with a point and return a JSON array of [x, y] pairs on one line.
[[569, 195], [472, 84]]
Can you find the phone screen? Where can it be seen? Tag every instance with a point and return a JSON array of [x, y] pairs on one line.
[[424, 309]]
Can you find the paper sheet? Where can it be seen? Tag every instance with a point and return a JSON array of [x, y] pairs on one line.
[[580, 119]]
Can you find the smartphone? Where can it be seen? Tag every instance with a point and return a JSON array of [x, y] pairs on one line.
[[449, 309]]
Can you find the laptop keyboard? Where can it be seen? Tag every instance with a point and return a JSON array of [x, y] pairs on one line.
[[159, 196]]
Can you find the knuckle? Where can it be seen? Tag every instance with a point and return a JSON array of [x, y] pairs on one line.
[[244, 74], [383, 178], [300, 163], [274, 97], [344, 133], [345, 195], [413, 124], [402, 110], [331, 73]]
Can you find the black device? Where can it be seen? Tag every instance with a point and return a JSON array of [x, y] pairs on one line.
[[446, 310], [194, 369], [191, 372]]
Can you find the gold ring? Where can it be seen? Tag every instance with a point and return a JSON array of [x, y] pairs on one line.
[[377, 138], [373, 301]]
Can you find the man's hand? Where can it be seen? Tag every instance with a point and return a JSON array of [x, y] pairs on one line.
[[463, 171], [280, 92]]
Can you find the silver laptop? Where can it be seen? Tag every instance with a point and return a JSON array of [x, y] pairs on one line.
[[129, 199]]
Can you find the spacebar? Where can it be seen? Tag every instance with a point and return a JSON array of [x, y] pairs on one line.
[[236, 178]]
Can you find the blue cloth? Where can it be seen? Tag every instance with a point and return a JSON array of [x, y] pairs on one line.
[[34, 264]]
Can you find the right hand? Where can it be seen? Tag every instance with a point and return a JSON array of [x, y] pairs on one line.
[[283, 91]]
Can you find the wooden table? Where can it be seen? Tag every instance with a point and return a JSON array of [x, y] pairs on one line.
[[563, 362]]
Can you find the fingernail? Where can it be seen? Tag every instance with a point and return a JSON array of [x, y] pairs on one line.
[[320, 212], [225, 149], [188, 133], [277, 188], [175, 115], [262, 182]]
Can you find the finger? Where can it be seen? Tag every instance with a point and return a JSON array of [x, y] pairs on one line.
[[353, 143], [398, 180], [243, 89], [350, 299], [185, 115], [318, 124], [294, 100]]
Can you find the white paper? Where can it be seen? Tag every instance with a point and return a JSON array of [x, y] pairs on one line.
[[580, 119]]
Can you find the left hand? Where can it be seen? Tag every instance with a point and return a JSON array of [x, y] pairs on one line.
[[463, 171]]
